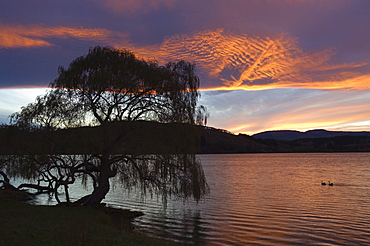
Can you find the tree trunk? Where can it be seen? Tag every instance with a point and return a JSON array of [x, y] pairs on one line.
[[105, 173], [103, 183], [100, 191]]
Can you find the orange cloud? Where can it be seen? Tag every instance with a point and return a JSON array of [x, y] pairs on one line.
[[225, 61], [10, 39], [258, 63], [35, 36], [356, 81]]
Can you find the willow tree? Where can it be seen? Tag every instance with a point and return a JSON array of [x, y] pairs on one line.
[[113, 85]]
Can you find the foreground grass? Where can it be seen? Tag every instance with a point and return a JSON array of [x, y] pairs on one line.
[[24, 224]]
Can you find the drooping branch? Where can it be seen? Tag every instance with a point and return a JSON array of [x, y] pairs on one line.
[[6, 182], [39, 188], [5, 177]]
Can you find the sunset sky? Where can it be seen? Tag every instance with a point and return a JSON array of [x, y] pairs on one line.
[[263, 64]]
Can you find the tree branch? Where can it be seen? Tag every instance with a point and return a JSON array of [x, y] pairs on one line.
[[36, 187]]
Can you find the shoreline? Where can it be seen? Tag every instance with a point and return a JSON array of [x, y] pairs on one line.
[[26, 224]]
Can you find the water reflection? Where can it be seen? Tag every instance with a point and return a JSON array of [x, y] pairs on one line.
[[266, 199]]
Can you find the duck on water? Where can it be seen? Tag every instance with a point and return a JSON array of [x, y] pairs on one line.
[[329, 183]]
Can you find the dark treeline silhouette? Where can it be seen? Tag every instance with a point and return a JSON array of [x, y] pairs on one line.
[[129, 137], [220, 141], [145, 137], [295, 135]]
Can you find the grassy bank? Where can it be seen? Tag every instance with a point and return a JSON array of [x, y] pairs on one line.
[[24, 224]]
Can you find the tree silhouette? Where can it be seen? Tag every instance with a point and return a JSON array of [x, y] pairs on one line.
[[111, 85]]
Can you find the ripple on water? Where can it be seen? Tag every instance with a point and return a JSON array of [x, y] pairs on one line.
[[291, 207]]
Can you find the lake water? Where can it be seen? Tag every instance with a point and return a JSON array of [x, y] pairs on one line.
[[266, 199]]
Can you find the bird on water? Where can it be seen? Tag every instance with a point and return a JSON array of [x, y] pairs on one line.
[[323, 183], [331, 184]]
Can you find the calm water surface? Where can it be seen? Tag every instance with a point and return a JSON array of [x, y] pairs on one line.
[[266, 199]]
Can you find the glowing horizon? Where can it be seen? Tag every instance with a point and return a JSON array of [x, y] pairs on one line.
[[352, 118]]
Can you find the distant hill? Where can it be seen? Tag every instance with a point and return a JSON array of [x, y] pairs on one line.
[[294, 135]]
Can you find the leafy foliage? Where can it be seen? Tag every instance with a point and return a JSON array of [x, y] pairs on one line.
[[108, 85], [113, 85]]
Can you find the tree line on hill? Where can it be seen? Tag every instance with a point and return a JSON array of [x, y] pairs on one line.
[[220, 141], [144, 137]]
